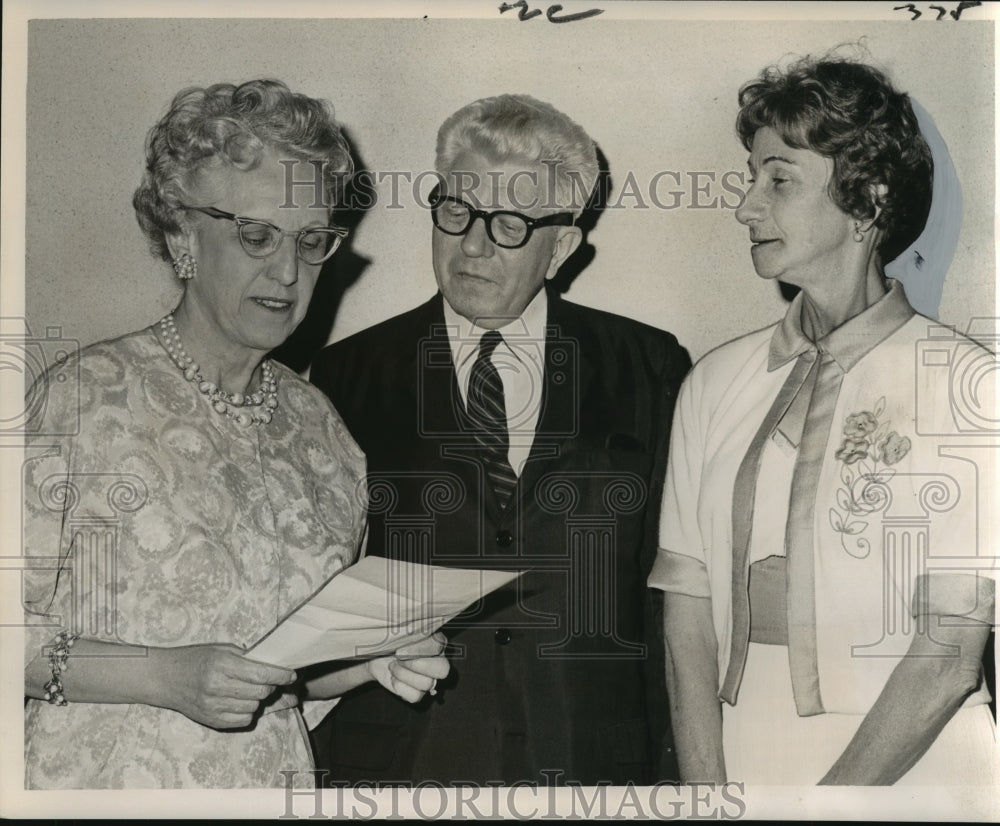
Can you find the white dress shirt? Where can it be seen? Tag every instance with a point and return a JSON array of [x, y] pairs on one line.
[[520, 361]]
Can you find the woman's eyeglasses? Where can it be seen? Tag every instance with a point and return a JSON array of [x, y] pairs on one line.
[[314, 245]]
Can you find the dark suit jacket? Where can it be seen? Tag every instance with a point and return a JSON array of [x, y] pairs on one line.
[[561, 672]]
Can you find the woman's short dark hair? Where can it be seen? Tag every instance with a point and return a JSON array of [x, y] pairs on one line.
[[849, 112], [235, 126]]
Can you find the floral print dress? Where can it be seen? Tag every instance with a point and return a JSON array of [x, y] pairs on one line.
[[150, 519]]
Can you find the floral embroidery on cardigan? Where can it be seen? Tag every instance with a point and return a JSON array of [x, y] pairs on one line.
[[868, 451]]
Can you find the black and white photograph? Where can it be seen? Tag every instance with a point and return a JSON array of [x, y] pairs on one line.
[[512, 410]]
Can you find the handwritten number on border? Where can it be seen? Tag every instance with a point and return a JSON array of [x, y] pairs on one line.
[[955, 13], [524, 13]]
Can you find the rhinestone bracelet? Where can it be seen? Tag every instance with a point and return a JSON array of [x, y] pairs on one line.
[[58, 660]]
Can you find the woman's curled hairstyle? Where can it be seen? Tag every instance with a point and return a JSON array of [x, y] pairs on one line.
[[849, 112], [233, 125]]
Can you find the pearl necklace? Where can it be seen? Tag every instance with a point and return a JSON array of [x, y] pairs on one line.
[[226, 404]]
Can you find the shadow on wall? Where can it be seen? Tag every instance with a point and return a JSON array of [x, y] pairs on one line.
[[338, 274], [585, 253]]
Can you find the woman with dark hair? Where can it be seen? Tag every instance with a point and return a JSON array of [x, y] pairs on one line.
[[195, 492], [825, 611]]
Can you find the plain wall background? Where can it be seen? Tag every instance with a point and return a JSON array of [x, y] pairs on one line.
[[655, 95]]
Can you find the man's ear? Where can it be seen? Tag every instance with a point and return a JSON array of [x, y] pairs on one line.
[[567, 241]]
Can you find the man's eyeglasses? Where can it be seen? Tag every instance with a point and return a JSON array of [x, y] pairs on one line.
[[259, 238], [504, 227]]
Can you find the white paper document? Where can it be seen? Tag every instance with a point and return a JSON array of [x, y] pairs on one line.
[[372, 608]]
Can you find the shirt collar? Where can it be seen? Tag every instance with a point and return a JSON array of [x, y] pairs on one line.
[[849, 342], [464, 335]]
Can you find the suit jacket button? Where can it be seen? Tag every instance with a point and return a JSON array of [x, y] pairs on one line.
[[502, 636], [504, 538]]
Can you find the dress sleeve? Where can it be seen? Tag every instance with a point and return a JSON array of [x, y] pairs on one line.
[[48, 495], [967, 595], [964, 587], [680, 561]]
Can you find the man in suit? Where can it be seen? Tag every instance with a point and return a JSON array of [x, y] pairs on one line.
[[507, 428]]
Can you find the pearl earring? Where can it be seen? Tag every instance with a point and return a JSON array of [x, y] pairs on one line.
[[185, 266]]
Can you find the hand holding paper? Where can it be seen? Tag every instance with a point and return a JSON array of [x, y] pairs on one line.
[[414, 669], [375, 607]]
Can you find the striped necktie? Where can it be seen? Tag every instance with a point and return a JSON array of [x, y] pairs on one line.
[[489, 415]]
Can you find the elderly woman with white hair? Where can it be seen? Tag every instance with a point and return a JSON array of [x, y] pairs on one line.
[[236, 488]]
